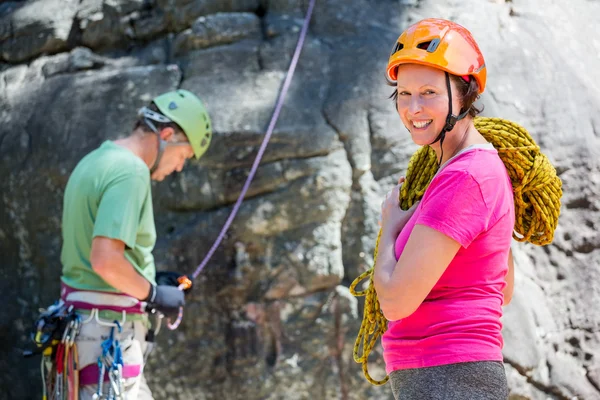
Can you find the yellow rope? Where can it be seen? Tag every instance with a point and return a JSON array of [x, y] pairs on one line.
[[537, 193]]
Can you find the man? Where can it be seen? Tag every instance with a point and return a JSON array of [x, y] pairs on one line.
[[108, 273]]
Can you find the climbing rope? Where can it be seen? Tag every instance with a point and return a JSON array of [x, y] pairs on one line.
[[261, 151], [537, 192]]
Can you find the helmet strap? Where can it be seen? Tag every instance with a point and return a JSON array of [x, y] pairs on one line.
[[150, 116], [159, 152], [451, 120]]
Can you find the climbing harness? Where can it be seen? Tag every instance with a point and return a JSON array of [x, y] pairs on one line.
[[259, 155], [537, 193], [54, 336]]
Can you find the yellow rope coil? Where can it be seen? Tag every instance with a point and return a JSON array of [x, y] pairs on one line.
[[537, 192]]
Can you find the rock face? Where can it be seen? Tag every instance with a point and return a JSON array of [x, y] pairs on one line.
[[271, 316]]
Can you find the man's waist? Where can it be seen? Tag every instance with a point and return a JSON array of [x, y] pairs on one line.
[[92, 299]]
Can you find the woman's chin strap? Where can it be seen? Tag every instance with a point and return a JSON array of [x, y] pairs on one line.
[[451, 120]]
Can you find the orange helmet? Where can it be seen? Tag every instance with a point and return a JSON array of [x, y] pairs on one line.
[[440, 44]]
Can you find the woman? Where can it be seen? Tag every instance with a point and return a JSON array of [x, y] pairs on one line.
[[442, 271]]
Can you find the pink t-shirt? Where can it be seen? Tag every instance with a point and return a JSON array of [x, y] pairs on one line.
[[471, 201]]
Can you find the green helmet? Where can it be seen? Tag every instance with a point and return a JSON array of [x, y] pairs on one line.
[[186, 109]]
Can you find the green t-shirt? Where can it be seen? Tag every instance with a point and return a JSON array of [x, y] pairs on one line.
[[108, 194]]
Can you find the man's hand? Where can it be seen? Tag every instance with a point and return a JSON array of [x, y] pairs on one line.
[[165, 299]]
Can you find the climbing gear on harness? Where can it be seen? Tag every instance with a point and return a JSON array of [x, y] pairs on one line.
[[66, 363], [186, 109], [49, 327], [537, 193], [444, 45], [261, 151], [440, 44], [54, 337], [110, 363], [92, 348]]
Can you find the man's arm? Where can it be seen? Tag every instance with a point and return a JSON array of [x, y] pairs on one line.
[[510, 280], [109, 262]]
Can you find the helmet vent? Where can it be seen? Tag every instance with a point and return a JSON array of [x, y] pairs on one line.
[[430, 45], [399, 46]]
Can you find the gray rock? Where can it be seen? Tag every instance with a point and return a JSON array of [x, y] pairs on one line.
[[569, 379], [237, 58], [521, 388], [147, 24], [340, 18], [106, 24], [34, 28], [182, 13], [79, 59], [217, 29], [277, 24], [360, 226], [520, 334]]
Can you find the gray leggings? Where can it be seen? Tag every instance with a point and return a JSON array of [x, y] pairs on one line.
[[482, 380]]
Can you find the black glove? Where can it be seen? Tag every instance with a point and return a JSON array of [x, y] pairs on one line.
[[165, 299], [171, 278]]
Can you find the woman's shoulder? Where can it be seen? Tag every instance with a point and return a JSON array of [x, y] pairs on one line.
[[481, 164], [480, 171]]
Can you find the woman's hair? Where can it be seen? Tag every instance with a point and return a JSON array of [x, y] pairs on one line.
[[143, 126], [468, 93]]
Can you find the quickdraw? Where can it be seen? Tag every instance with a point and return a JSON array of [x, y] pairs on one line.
[[110, 363]]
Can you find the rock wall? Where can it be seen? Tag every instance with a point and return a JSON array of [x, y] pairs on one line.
[[271, 317]]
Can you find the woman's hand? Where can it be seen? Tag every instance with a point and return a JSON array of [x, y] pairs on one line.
[[393, 218]]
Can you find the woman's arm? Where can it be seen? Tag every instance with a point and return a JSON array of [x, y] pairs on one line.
[[510, 280], [402, 286]]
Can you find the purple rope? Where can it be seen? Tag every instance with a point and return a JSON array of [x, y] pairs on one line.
[[263, 146], [261, 150]]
